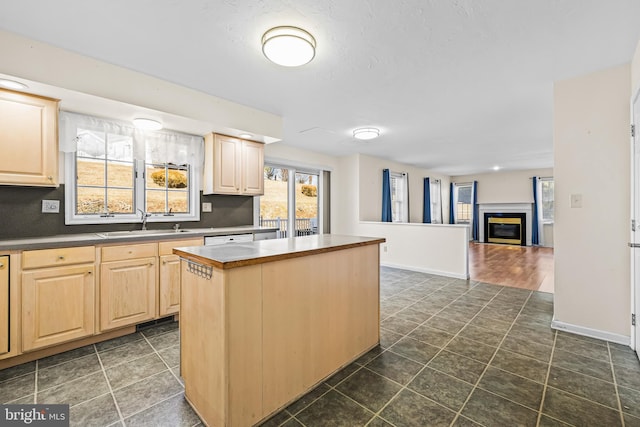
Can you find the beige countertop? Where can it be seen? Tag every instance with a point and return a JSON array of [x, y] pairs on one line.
[[109, 237], [250, 253]]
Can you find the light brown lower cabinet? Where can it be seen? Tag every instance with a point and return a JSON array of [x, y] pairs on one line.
[[128, 284], [169, 287], [4, 305], [57, 305]]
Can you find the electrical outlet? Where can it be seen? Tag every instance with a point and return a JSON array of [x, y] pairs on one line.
[[51, 206], [206, 207]]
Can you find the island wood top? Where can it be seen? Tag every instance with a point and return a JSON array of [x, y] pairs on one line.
[[234, 255]]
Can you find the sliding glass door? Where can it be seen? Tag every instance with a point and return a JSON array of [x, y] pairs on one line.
[[291, 201]]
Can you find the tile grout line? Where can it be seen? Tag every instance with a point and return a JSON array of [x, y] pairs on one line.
[[475, 387], [35, 386], [440, 351], [162, 359], [546, 380], [113, 396], [615, 384]]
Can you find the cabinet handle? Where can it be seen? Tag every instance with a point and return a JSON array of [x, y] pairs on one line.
[[50, 178], [89, 272], [61, 257], [1, 265]]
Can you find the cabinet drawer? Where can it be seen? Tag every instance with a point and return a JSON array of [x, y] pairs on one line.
[[56, 257], [115, 253], [166, 248]]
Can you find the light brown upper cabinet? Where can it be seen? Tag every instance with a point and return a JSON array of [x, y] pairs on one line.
[[29, 139], [233, 166]]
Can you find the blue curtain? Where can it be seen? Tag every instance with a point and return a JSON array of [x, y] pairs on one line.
[[452, 219], [534, 223], [386, 196], [426, 209], [476, 213]]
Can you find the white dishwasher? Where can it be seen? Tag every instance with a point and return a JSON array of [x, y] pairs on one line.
[[231, 238]]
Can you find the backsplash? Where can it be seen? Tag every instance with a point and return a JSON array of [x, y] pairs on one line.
[[21, 214]]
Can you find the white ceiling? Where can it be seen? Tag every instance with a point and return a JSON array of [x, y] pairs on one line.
[[456, 86]]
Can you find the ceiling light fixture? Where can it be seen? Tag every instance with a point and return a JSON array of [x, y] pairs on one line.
[[246, 135], [147, 124], [366, 133], [496, 168], [12, 84], [288, 46]]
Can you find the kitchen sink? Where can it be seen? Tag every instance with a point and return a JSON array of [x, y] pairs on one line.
[[132, 233]]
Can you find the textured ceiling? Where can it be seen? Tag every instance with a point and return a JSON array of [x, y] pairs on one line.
[[457, 86]]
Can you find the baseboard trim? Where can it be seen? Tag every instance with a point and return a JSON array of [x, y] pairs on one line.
[[588, 332], [426, 270]]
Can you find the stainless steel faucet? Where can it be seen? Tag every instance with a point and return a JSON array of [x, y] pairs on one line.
[[143, 216]]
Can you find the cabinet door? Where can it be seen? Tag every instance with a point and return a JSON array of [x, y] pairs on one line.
[[169, 284], [226, 168], [252, 168], [4, 305], [127, 292], [57, 305], [29, 139]]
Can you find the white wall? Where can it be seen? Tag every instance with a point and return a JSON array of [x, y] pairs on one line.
[[505, 187], [635, 71], [47, 64], [370, 188], [441, 249], [591, 152]]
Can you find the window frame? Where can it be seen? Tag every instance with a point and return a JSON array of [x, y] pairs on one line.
[[139, 192], [541, 201], [456, 188], [435, 189], [292, 169], [399, 208]]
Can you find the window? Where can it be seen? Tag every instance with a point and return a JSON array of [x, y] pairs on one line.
[[114, 172], [436, 201], [399, 197], [463, 207], [546, 199], [294, 196]]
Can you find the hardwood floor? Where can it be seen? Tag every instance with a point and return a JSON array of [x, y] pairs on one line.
[[525, 267]]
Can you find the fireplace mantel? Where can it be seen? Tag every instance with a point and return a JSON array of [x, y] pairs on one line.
[[526, 208]]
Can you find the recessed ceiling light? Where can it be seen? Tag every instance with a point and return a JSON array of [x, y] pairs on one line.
[[12, 84], [246, 135], [147, 124], [366, 133], [288, 46], [496, 168]]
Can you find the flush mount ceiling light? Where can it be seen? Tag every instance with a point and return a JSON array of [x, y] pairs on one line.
[[147, 124], [12, 84], [288, 46], [246, 135], [366, 133], [496, 168]]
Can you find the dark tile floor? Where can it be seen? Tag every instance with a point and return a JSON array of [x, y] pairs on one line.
[[452, 353]]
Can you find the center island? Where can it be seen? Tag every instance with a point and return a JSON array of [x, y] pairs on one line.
[[262, 323]]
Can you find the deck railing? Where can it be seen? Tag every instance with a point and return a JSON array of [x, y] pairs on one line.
[[304, 226]]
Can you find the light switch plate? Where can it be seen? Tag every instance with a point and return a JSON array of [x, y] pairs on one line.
[[576, 200], [51, 206], [206, 207]]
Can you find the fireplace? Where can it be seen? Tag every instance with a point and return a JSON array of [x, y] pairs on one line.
[[505, 228]]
